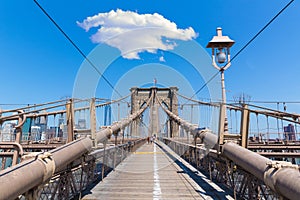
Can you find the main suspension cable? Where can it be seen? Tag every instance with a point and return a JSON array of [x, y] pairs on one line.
[[245, 46]]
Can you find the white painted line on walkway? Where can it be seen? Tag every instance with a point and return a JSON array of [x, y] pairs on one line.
[[156, 186]]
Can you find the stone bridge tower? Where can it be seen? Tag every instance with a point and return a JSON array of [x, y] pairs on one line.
[[140, 96]]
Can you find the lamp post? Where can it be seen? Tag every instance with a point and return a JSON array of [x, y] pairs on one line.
[[220, 46]]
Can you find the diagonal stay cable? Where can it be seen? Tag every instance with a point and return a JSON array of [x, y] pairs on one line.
[[203, 86], [114, 101], [197, 101], [76, 47], [261, 30], [245, 46]]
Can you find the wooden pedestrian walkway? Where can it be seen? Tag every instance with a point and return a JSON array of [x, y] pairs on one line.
[[151, 173]]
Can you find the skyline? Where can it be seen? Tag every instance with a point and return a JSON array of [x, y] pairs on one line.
[[266, 70]]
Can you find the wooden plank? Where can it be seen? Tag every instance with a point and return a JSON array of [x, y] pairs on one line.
[[148, 174]]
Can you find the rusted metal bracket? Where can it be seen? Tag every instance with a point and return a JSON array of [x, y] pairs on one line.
[[15, 145], [22, 119]]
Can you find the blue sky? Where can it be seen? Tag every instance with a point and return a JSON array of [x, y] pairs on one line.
[[38, 64]]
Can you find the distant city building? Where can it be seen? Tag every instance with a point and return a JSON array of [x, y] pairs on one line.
[[52, 132], [61, 127], [38, 129], [36, 133], [8, 132], [61, 120], [289, 132], [26, 129], [107, 115], [82, 123]]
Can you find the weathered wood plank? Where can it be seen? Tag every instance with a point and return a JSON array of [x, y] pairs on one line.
[[148, 174]]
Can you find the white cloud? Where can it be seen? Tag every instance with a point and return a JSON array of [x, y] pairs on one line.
[[133, 33], [162, 59]]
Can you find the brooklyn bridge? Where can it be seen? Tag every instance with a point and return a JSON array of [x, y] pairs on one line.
[[57, 150]]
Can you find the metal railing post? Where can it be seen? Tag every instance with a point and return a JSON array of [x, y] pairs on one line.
[[115, 151], [93, 121], [70, 120], [103, 162], [245, 120], [222, 124], [21, 121]]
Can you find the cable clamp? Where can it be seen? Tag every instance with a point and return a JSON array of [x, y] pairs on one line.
[[281, 164], [49, 164], [274, 167]]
